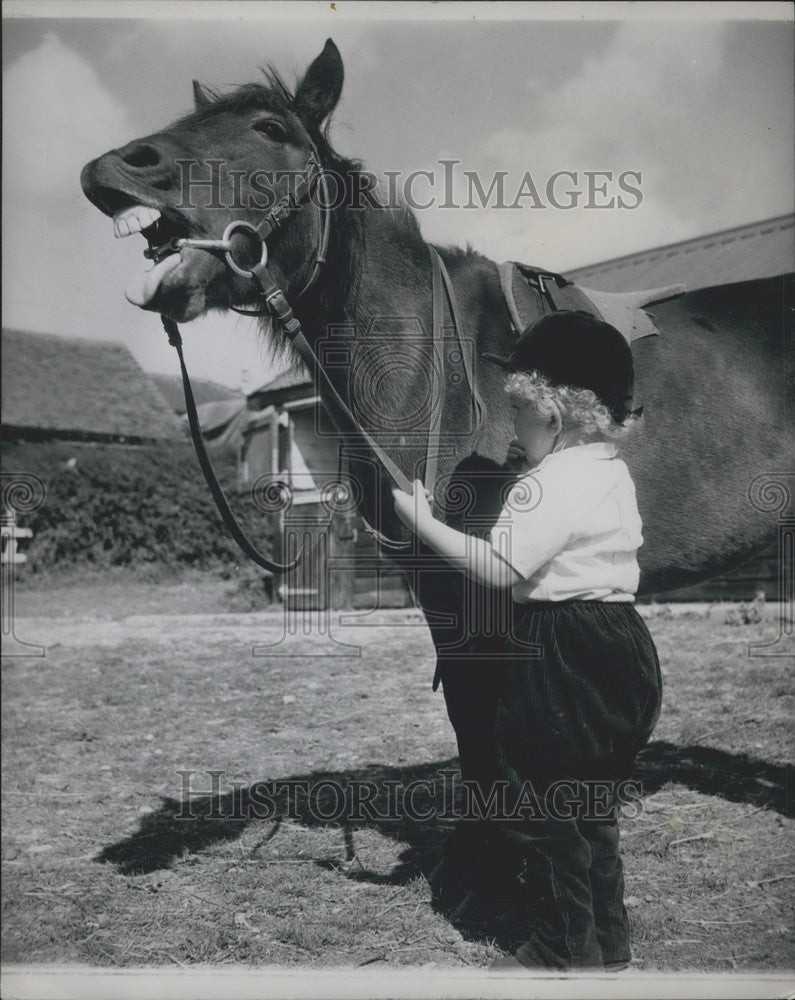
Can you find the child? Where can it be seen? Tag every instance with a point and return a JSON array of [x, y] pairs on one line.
[[578, 692]]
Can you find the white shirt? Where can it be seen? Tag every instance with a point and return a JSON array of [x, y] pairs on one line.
[[571, 528]]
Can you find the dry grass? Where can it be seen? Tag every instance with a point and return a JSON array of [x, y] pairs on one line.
[[98, 870], [117, 592]]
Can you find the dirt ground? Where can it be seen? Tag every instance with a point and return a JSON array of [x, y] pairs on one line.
[[143, 681]]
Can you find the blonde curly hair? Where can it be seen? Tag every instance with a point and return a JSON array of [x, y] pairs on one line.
[[580, 409]]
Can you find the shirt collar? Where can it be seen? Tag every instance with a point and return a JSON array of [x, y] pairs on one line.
[[580, 452]]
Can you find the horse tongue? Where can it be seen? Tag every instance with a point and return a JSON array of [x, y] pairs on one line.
[[142, 288]]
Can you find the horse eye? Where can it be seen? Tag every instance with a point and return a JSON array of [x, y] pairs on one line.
[[272, 129]]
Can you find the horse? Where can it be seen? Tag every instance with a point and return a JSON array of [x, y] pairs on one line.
[[714, 382], [353, 271]]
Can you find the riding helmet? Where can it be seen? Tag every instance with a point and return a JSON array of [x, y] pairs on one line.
[[574, 348]]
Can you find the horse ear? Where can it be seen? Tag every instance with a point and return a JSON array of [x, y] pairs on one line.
[[319, 91], [200, 97]]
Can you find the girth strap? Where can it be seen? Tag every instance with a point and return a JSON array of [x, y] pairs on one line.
[[437, 403], [465, 359]]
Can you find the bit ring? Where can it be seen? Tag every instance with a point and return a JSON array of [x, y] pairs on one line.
[[256, 240]]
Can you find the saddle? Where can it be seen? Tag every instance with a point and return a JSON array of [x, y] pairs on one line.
[[530, 292]]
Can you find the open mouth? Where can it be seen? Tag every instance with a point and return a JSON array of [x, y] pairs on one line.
[[161, 230]]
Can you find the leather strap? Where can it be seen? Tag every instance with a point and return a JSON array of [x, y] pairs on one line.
[[290, 204], [346, 422], [558, 292], [465, 359], [213, 485], [283, 315], [551, 291], [276, 305], [506, 272], [343, 418], [437, 404]]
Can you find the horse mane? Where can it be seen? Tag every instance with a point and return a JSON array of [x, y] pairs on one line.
[[339, 288], [340, 273], [340, 284]]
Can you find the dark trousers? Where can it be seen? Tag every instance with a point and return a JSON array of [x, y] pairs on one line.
[[575, 696], [572, 879]]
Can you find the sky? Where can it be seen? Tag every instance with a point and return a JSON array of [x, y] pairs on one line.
[[697, 99]]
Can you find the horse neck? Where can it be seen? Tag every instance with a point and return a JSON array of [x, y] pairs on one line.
[[378, 282], [384, 265], [393, 265], [398, 282], [378, 265], [376, 286]]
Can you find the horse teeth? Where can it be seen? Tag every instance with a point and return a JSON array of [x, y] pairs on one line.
[[134, 220]]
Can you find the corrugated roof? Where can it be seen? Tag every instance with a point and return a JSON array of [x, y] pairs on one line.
[[214, 416], [89, 388], [287, 380], [761, 250], [222, 423], [204, 391]]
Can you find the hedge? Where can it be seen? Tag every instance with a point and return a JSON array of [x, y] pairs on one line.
[[119, 505]]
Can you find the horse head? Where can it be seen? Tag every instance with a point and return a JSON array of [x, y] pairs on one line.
[[230, 160]]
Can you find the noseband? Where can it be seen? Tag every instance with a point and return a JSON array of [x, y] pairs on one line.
[[245, 251], [239, 233]]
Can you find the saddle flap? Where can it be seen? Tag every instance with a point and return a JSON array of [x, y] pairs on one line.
[[623, 310]]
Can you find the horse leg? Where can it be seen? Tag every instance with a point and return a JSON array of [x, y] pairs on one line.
[[469, 667], [471, 696]]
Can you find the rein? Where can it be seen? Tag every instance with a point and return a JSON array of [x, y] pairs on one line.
[[273, 302]]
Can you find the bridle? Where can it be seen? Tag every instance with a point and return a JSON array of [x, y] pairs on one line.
[[245, 251]]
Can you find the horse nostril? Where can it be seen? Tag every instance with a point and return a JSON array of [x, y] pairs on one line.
[[141, 155]]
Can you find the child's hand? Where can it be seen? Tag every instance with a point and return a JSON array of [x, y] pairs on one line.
[[517, 459], [413, 510]]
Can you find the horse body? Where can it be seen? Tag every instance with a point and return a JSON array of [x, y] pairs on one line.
[[714, 383]]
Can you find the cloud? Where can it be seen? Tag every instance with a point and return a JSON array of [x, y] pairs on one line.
[[57, 116], [659, 99], [698, 108], [63, 271]]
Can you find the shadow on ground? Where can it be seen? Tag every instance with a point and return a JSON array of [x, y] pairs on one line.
[[314, 800], [165, 834]]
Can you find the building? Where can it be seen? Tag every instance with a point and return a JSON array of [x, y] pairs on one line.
[[221, 411], [281, 438], [63, 393], [64, 388], [289, 439], [204, 391], [761, 250]]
